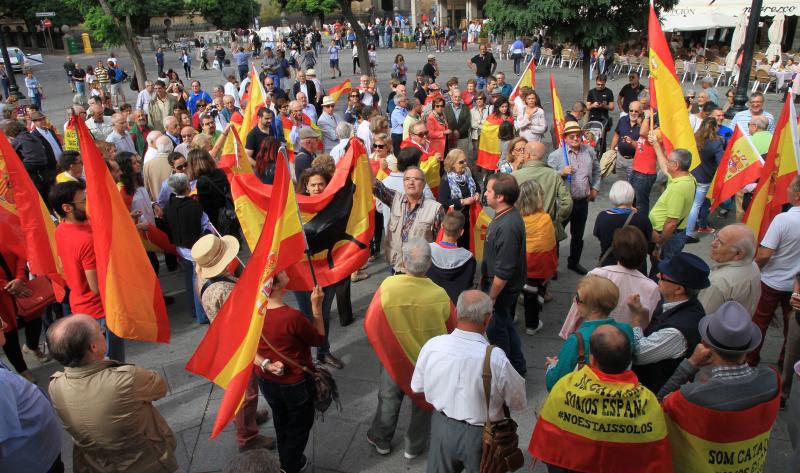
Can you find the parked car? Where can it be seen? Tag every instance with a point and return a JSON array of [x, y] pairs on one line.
[[29, 60]]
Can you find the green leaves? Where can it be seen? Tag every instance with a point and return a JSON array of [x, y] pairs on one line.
[[226, 14]]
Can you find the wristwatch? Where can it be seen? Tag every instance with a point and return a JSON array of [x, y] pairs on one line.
[[265, 363]]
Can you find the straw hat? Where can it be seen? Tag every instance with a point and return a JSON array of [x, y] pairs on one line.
[[328, 100], [311, 73], [571, 127], [213, 254]]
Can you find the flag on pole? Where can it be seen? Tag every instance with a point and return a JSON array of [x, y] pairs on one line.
[[489, 143], [676, 131], [479, 221], [558, 112], [129, 288], [740, 165], [234, 158], [257, 99], [527, 79], [288, 124], [779, 169], [336, 91], [226, 354], [19, 197]]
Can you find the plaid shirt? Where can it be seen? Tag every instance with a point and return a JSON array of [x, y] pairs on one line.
[[386, 195], [732, 372]]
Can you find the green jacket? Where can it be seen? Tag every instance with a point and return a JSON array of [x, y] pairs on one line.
[[557, 201]]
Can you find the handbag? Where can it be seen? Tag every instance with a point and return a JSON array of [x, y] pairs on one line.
[[608, 163], [608, 250], [226, 218], [42, 295], [326, 392], [500, 451]]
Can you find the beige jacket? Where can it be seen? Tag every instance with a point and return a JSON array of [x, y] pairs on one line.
[[107, 409], [423, 226], [156, 171], [738, 281]]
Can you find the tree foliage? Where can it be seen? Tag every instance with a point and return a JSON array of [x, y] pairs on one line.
[[226, 14], [102, 26], [313, 7]]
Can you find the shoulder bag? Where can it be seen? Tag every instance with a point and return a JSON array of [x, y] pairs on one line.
[[42, 295], [608, 250], [581, 351], [226, 218], [500, 445], [325, 390]]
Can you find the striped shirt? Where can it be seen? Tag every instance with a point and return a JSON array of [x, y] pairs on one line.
[[743, 118]]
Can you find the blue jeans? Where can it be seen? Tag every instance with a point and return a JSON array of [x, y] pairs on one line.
[[503, 333], [480, 82], [190, 279], [303, 299], [699, 213], [642, 185], [80, 87], [115, 346], [671, 247]]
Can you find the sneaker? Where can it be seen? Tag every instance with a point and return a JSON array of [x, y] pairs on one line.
[[331, 360], [410, 456], [383, 448], [706, 230], [534, 331]]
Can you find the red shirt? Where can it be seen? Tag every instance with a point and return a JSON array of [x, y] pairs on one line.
[[644, 161], [290, 332], [76, 250]]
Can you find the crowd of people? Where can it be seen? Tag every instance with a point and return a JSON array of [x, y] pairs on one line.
[[681, 334]]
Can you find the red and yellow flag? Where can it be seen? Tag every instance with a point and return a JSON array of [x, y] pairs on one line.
[[129, 288], [338, 223], [704, 440], [428, 164], [398, 326], [558, 112], [779, 169], [234, 158], [287, 133], [489, 143], [527, 79], [611, 423], [740, 165], [226, 354], [541, 248], [667, 92], [336, 91], [479, 221], [256, 100], [19, 197]]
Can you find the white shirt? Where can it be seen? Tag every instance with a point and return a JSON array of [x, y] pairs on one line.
[[311, 112], [230, 89], [100, 130], [52, 140], [149, 154], [143, 101], [338, 151], [784, 239], [449, 371], [365, 134], [123, 142]]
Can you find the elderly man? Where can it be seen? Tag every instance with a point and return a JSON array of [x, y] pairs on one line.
[[139, 131], [756, 109], [297, 122], [414, 115], [670, 213], [344, 131], [151, 145], [576, 113], [91, 391], [708, 87], [144, 97], [229, 113], [161, 106], [411, 214], [158, 169], [582, 176], [172, 129], [309, 144], [504, 87], [397, 120], [581, 402], [449, 371], [672, 332], [187, 136], [408, 310], [735, 277], [327, 123], [629, 92], [307, 87], [736, 399], [779, 259], [99, 124], [556, 199], [459, 120], [503, 268], [306, 107], [231, 88], [119, 136]]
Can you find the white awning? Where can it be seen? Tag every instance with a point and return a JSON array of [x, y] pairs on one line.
[[697, 22], [690, 8]]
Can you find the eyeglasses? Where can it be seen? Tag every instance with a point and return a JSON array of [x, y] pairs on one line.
[[634, 111], [578, 299], [327, 106], [479, 98], [376, 145], [181, 167], [423, 134], [463, 161], [439, 106], [666, 279]]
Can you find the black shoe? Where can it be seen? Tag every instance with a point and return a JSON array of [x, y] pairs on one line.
[[555, 276], [692, 239], [262, 416], [577, 268], [329, 359], [304, 464], [169, 300]]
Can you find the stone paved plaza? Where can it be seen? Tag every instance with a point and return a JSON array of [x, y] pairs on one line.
[[338, 444]]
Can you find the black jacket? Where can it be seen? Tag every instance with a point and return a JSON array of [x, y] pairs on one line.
[[312, 92], [49, 151], [462, 123], [183, 216]]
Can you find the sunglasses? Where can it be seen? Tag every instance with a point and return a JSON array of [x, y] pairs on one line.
[[327, 106], [181, 167], [425, 133], [378, 146], [463, 161], [666, 279], [578, 299], [439, 106]]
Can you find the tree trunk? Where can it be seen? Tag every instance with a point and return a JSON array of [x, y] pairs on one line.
[[587, 67], [128, 39], [361, 39]]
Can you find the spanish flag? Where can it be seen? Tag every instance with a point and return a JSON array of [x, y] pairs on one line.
[[428, 164], [479, 221], [226, 354], [527, 79], [603, 423], [20, 198], [779, 169], [540, 246], [336, 91], [256, 100], [558, 113], [338, 223], [740, 165], [398, 326], [673, 114], [489, 143], [288, 124], [704, 440], [234, 158], [130, 290]]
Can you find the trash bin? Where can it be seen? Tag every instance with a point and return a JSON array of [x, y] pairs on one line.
[[87, 45], [72, 46]]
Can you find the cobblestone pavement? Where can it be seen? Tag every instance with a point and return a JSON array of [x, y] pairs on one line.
[[338, 444]]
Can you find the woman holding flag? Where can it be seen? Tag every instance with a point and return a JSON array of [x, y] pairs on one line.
[[711, 149]]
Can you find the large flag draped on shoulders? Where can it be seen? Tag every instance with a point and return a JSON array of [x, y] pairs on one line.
[[558, 113], [339, 223], [676, 131], [527, 79], [489, 143], [226, 354], [739, 166], [338, 90], [20, 200], [129, 288], [479, 220], [779, 169]]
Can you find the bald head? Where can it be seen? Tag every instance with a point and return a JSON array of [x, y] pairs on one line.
[[610, 349], [735, 242], [534, 150], [473, 307], [76, 340]]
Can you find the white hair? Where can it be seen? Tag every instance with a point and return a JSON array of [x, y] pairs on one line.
[[164, 145], [344, 130], [152, 137], [417, 256], [474, 306], [621, 193]]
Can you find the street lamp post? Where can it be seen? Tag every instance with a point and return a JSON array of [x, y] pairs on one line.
[[740, 99], [12, 81]]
